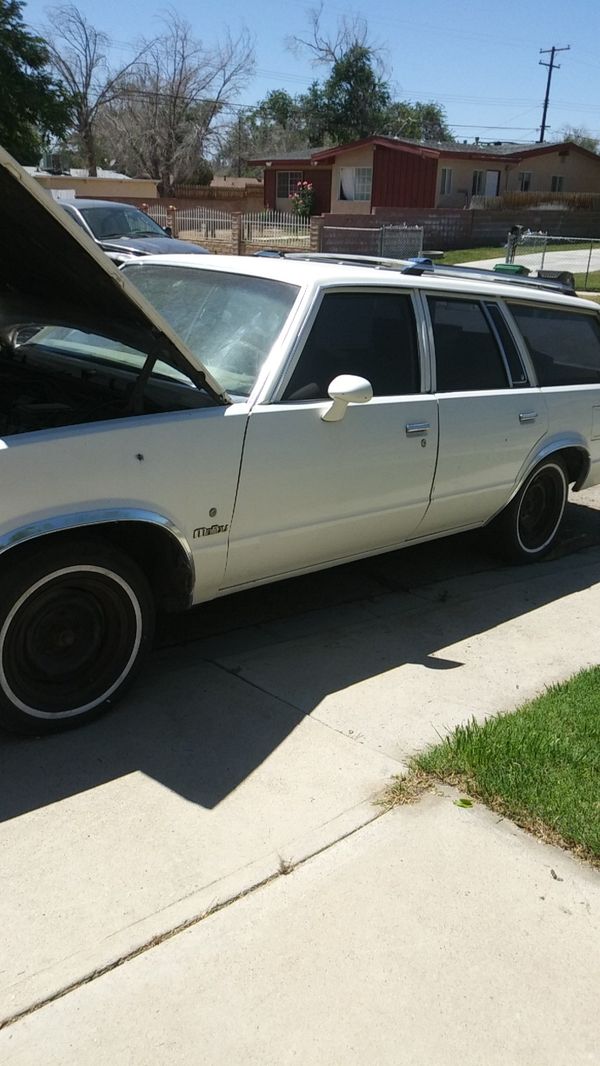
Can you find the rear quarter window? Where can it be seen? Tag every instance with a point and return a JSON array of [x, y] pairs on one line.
[[564, 345]]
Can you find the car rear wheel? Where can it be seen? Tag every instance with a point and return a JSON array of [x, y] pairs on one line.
[[76, 621], [526, 530]]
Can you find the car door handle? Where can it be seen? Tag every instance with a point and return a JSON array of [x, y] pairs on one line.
[[527, 416], [417, 429]]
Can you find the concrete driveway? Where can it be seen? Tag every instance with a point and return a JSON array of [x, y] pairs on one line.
[[259, 736], [577, 261]]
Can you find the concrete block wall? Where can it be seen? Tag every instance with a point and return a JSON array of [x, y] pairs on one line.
[[455, 228]]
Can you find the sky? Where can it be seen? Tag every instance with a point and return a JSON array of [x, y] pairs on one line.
[[480, 61]]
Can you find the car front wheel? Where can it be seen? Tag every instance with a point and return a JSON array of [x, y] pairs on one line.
[[527, 528], [76, 621]]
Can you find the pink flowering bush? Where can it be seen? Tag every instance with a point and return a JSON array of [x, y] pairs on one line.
[[303, 200]]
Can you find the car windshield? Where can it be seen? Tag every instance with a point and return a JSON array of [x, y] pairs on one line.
[[230, 321], [114, 220]]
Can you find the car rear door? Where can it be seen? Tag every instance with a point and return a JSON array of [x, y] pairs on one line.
[[314, 492], [490, 416]]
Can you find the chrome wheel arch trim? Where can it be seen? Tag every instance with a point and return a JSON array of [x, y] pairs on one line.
[[104, 516], [546, 451]]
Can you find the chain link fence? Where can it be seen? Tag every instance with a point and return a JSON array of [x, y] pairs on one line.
[[391, 241], [543, 253]]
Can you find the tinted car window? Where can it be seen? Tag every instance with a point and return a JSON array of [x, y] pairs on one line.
[[368, 334], [511, 353], [467, 355], [564, 345]]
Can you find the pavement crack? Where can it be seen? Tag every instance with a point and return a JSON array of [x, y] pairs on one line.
[[284, 868], [259, 688]]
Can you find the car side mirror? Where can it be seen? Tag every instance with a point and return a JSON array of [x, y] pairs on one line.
[[345, 389], [168, 231]]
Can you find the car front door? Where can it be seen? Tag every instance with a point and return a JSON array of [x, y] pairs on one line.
[[313, 492], [490, 418]]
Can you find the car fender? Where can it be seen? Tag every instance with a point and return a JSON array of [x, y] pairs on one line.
[[62, 523], [550, 446]]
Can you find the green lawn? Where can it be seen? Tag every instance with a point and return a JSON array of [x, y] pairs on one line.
[[465, 255], [593, 280], [539, 766]]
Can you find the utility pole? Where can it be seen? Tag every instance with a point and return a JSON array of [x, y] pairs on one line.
[[551, 66]]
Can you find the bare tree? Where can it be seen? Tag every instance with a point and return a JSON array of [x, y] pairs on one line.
[[329, 48], [78, 55], [172, 107]]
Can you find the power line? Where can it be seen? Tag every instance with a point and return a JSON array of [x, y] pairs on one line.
[[551, 66]]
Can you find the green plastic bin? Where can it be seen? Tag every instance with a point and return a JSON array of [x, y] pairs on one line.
[[512, 268]]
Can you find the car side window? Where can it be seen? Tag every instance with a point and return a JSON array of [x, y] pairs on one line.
[[564, 345], [467, 354], [370, 334]]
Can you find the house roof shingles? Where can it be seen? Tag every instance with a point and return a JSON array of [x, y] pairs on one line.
[[494, 150]]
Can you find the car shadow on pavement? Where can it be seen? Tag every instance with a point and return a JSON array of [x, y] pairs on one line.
[[200, 727]]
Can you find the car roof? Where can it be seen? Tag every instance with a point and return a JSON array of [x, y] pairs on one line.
[[81, 202], [311, 272]]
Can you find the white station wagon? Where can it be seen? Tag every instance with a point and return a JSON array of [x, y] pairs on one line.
[[192, 426]]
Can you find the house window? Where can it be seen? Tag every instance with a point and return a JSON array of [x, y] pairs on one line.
[[355, 183], [524, 178], [478, 183], [446, 185], [287, 180], [557, 183]]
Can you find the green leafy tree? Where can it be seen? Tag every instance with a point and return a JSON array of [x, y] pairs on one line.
[[275, 125], [418, 122], [33, 105], [354, 98]]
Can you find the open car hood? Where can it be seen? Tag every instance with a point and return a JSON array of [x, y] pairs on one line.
[[57, 274]]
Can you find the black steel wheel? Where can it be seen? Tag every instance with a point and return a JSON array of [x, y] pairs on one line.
[[526, 530], [76, 621]]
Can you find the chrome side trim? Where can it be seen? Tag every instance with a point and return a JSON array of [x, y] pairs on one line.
[[84, 519]]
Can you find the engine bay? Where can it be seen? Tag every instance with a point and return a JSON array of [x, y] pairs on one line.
[[42, 388]]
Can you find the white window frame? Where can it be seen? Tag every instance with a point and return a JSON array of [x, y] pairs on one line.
[[356, 183], [557, 182], [293, 177], [446, 181]]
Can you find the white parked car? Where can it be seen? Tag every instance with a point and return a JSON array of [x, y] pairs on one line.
[[192, 426]]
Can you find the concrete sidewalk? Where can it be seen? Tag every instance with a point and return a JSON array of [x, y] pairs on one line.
[[437, 936], [250, 749]]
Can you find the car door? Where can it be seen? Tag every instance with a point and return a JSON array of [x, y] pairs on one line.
[[314, 492], [490, 417], [563, 344]]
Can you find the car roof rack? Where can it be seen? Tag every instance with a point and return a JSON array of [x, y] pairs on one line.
[[422, 265]]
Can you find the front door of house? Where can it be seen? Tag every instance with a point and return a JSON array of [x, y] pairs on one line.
[[492, 182]]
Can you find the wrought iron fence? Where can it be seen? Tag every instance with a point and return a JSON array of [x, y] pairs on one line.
[[158, 213], [538, 251], [276, 227], [204, 223]]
